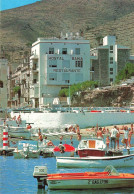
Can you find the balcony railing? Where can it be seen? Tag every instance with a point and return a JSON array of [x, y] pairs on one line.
[[33, 57]]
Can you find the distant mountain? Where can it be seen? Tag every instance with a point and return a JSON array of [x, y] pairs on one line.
[[94, 19]]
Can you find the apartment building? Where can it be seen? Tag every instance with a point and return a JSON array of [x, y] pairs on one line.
[[108, 60], [56, 64], [18, 86]]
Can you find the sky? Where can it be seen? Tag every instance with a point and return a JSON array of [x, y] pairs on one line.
[[10, 4]]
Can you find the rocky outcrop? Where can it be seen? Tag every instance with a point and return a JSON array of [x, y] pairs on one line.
[[118, 96]]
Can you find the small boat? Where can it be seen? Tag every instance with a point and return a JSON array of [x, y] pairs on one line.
[[91, 147], [108, 179], [64, 150], [19, 132], [95, 162], [46, 150], [27, 149]]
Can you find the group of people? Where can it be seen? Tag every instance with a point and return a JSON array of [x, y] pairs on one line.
[[18, 120], [113, 136]]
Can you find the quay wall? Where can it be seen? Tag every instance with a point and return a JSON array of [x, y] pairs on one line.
[[87, 119]]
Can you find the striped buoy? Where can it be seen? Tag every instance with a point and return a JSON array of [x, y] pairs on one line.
[[5, 138]]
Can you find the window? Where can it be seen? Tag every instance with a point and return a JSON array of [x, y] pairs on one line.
[[34, 81], [79, 77], [52, 63], [111, 79], [111, 49], [77, 51], [1, 84], [111, 60], [111, 71], [51, 50], [64, 51], [66, 77], [52, 76], [66, 63], [34, 66], [78, 63]]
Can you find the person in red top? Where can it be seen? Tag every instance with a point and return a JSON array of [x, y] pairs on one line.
[[29, 126]]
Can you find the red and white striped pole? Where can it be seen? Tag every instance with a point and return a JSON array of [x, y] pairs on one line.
[[5, 138]]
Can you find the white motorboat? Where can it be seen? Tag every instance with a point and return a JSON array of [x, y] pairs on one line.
[[19, 132], [91, 147], [27, 149], [95, 161], [46, 150]]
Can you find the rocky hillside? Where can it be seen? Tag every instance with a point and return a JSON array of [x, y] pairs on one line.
[[20, 27], [117, 96]]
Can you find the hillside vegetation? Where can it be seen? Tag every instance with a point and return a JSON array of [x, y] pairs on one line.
[[94, 19]]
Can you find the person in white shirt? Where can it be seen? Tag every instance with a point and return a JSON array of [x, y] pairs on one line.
[[113, 133], [126, 132]]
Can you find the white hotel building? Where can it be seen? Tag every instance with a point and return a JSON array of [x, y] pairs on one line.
[[56, 64]]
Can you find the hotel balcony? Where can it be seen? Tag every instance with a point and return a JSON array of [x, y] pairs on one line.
[[35, 70], [34, 92], [34, 57]]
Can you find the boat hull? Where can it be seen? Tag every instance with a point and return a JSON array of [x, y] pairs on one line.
[[21, 154], [95, 162], [20, 134], [90, 183], [90, 152]]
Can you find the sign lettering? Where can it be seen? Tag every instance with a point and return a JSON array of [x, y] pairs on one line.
[[55, 58], [67, 70], [77, 58], [97, 181]]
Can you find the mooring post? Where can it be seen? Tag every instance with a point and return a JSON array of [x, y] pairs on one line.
[[5, 138]]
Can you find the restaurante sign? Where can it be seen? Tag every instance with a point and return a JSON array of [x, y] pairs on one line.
[[66, 70]]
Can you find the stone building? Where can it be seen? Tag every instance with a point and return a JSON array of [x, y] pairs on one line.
[[18, 84], [3, 82], [108, 60]]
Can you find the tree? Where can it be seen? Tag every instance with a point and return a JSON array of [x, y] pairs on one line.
[[125, 73], [78, 87], [17, 90]]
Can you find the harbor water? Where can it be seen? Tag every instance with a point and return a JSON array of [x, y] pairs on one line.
[[16, 175]]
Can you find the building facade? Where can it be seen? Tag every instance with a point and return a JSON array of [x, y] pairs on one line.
[[3, 82], [56, 64], [18, 86], [108, 60]]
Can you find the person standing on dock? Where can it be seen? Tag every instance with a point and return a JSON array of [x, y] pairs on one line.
[[126, 135], [107, 142], [99, 133], [114, 132], [129, 137], [117, 138]]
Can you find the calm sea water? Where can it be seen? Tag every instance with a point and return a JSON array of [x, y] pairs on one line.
[[16, 175]]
